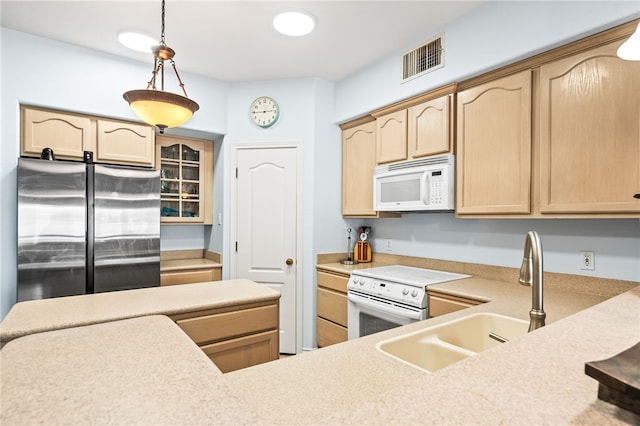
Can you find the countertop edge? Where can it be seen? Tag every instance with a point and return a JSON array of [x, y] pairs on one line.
[[77, 311]]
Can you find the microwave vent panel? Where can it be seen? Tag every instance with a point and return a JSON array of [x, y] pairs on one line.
[[427, 161], [423, 59]]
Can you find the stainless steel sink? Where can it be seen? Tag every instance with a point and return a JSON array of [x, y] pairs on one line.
[[439, 346]]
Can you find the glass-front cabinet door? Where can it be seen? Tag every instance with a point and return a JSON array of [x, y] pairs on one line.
[[185, 171]]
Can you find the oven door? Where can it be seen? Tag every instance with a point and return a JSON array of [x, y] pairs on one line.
[[369, 314]]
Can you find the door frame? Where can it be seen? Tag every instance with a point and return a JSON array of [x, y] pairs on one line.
[[233, 196]]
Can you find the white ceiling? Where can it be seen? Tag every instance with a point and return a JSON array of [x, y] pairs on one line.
[[234, 40]]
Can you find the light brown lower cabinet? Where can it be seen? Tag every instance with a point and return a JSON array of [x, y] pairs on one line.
[[235, 337], [243, 352], [331, 325], [330, 333], [190, 276], [441, 304]]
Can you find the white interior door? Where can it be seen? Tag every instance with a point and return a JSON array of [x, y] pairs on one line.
[[267, 226]]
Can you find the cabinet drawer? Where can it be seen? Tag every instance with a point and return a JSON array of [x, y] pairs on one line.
[[330, 333], [443, 304], [190, 276], [332, 281], [244, 351], [210, 328], [332, 306]]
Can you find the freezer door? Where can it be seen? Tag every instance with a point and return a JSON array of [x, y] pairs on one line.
[[126, 228], [51, 229]]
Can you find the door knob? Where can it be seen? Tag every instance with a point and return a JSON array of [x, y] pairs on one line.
[[289, 261]]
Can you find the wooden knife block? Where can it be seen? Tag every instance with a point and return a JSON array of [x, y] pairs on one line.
[[362, 252]]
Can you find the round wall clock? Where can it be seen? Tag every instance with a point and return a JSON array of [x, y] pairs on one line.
[[264, 111]]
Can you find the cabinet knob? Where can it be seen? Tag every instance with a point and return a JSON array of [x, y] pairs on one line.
[[289, 261], [636, 196]]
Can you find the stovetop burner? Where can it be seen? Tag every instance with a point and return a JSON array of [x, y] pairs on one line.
[[417, 277]]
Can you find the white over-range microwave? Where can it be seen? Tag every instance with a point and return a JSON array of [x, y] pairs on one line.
[[426, 184]]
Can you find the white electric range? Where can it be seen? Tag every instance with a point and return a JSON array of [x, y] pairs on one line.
[[390, 296]]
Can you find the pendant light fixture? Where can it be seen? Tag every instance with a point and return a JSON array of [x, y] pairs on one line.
[[630, 49], [158, 107]]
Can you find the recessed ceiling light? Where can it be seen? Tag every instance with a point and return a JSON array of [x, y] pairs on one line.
[[294, 23], [137, 41]]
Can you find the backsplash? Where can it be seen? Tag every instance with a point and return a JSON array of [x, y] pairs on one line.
[[576, 283]]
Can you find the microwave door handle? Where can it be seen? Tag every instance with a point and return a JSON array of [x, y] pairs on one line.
[[425, 187], [391, 310]]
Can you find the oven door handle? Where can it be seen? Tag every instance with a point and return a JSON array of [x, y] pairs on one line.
[[388, 309]]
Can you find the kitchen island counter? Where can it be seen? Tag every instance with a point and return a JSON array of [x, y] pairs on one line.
[[537, 378], [36, 316], [136, 371]]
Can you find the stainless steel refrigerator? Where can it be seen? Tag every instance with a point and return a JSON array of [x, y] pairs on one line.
[[86, 228]]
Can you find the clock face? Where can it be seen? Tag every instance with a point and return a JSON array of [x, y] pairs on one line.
[[264, 111]]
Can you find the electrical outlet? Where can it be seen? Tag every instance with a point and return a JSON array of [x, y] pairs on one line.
[[388, 248], [587, 260]]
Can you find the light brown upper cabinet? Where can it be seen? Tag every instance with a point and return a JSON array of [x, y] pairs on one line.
[[429, 127], [70, 134], [358, 163], [416, 127], [590, 133], [186, 179], [125, 143], [391, 137], [493, 153]]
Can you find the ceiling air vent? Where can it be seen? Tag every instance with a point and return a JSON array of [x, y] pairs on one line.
[[423, 59]]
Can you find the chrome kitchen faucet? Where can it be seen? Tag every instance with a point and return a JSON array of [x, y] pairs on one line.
[[531, 275]]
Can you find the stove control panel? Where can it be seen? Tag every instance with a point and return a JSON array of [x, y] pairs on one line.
[[389, 290]]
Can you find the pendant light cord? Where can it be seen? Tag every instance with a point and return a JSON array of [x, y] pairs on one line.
[[162, 42]]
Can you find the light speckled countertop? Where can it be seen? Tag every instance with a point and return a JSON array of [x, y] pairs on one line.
[[182, 264], [537, 378], [143, 371], [36, 316]]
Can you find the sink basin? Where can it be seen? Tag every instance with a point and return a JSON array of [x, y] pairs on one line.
[[436, 347]]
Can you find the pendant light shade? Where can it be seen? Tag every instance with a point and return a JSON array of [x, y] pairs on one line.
[[630, 49], [158, 107]]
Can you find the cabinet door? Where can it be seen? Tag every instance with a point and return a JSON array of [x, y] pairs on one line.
[[358, 163], [493, 164], [332, 306], [590, 133], [125, 143], [330, 333], [186, 179], [429, 127], [245, 351], [391, 137], [69, 135]]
